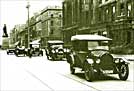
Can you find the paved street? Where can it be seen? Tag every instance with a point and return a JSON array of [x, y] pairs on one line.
[[38, 73]]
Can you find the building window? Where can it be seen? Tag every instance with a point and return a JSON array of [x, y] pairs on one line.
[[85, 5], [60, 15], [51, 31], [113, 12], [106, 14], [100, 15], [129, 9], [52, 15], [128, 37], [51, 23], [100, 1], [122, 9]]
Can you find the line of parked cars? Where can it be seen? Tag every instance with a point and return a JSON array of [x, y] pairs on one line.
[[34, 50], [90, 53]]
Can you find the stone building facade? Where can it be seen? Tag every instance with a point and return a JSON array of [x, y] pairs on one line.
[[44, 25], [111, 18], [51, 24], [17, 34]]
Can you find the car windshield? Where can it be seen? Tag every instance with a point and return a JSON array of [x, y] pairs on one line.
[[92, 45], [57, 46], [35, 46]]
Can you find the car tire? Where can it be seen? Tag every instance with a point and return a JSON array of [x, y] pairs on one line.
[[17, 55], [41, 53], [72, 69], [48, 57], [88, 72], [53, 58], [123, 72]]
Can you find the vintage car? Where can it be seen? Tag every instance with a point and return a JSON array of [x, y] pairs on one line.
[[11, 49], [35, 50], [91, 54], [20, 51], [54, 50]]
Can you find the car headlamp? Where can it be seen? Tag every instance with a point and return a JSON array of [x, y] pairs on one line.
[[98, 61], [117, 61], [53, 51], [68, 50], [56, 50], [90, 61]]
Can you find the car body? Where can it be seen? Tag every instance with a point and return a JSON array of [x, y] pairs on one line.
[[20, 51], [35, 50], [11, 49], [91, 54], [55, 50]]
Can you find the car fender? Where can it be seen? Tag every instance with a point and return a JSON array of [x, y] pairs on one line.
[[125, 60], [121, 60], [72, 57]]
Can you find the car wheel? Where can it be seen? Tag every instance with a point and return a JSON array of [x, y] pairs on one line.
[[88, 71], [72, 69], [53, 58], [123, 72], [7, 53], [24, 53], [17, 55], [41, 53], [48, 57]]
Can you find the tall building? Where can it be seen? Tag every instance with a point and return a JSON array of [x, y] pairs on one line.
[[111, 18], [51, 24], [17, 34]]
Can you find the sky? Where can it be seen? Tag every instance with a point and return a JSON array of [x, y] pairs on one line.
[[14, 12]]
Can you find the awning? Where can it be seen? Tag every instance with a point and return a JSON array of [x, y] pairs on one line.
[[35, 42]]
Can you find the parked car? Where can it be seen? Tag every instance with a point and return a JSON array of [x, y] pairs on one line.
[[91, 54], [20, 51], [11, 49], [55, 50], [35, 50]]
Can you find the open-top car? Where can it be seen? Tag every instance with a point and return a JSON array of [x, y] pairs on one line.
[[91, 54], [54, 50], [20, 51], [11, 49]]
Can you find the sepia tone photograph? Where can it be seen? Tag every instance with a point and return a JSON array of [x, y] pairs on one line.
[[66, 45]]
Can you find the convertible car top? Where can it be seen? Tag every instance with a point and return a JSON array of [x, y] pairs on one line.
[[89, 37]]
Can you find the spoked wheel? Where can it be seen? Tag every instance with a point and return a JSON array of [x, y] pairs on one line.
[[123, 72], [72, 69], [88, 72]]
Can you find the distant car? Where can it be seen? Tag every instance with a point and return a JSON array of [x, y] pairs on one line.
[[20, 51], [55, 50], [91, 54], [11, 49], [35, 50]]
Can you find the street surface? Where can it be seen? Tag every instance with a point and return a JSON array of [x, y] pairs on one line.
[[38, 73]]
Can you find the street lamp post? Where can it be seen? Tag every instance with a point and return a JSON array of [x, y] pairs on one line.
[[28, 6]]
